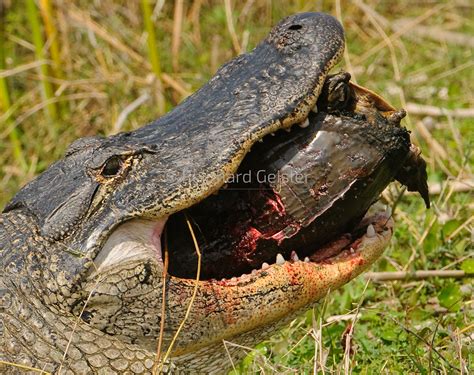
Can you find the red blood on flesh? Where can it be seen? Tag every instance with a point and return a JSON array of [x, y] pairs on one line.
[[248, 243]]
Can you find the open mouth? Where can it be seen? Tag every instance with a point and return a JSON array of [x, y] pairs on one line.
[[298, 196], [293, 193]]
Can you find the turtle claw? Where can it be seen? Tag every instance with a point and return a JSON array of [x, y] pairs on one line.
[[396, 117], [413, 174]]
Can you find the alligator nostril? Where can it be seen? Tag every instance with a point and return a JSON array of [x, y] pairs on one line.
[[295, 27]]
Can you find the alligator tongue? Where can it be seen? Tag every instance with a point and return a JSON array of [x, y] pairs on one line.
[[293, 192]]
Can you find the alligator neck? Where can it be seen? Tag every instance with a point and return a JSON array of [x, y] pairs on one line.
[[36, 334], [40, 337]]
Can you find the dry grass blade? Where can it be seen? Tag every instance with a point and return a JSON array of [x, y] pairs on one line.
[[163, 303], [435, 33], [48, 19], [291, 350], [348, 337], [320, 354], [460, 260], [76, 323], [435, 146], [191, 302], [231, 28], [22, 68], [44, 104], [372, 15], [429, 110], [342, 318], [416, 275], [178, 87], [83, 19], [455, 70], [176, 36], [194, 15], [250, 350], [462, 227], [224, 342], [347, 58], [431, 12], [122, 117], [26, 368]]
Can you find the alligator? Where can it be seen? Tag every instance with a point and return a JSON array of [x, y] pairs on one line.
[[143, 252]]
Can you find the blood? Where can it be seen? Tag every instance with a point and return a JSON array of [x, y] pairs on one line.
[[248, 243]]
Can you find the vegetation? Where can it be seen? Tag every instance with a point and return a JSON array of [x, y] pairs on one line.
[[78, 68]]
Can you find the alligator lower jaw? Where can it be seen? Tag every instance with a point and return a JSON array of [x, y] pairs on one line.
[[231, 307]]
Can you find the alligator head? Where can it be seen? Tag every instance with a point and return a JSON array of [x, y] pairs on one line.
[[83, 246]]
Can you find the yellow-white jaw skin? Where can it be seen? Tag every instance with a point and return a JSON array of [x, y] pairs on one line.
[[266, 296]]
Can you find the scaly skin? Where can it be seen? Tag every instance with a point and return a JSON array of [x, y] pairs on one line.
[[60, 314], [34, 334]]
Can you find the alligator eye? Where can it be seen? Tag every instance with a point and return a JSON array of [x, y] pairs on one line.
[[112, 167], [86, 316], [295, 27]]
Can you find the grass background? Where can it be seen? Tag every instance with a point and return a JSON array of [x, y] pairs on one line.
[[76, 68]]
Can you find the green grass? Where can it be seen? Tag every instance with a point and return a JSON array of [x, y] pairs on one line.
[[32, 13], [107, 63]]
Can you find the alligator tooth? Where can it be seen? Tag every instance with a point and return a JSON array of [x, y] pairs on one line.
[[265, 266], [261, 140], [233, 279], [314, 109], [288, 130], [306, 260], [254, 272], [370, 231], [304, 124], [272, 134], [280, 259], [352, 251], [294, 256]]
